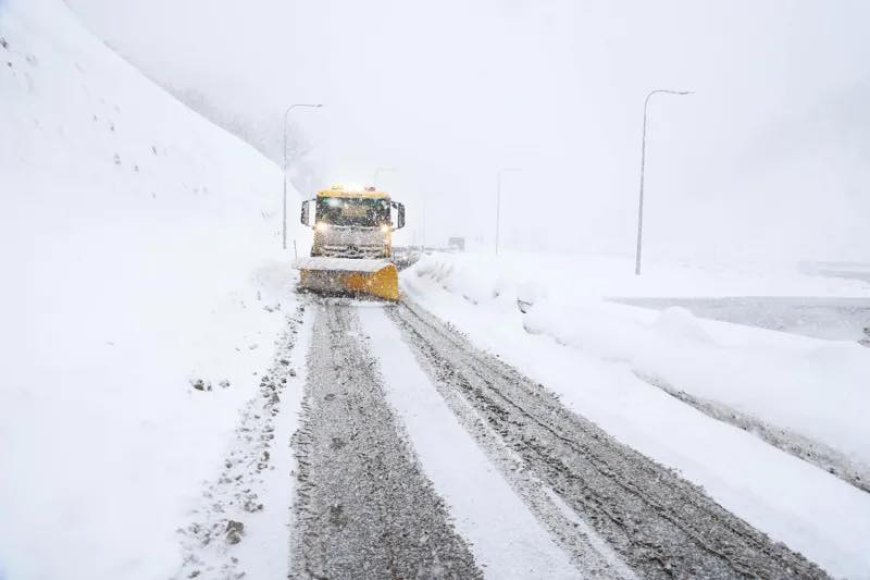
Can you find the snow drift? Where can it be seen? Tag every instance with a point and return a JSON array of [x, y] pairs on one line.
[[135, 238]]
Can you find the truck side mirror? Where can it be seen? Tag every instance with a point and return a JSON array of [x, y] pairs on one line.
[[400, 219], [305, 218]]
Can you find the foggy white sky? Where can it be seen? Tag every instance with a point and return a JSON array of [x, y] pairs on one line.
[[770, 157]]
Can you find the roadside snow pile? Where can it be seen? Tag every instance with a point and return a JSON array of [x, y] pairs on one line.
[[625, 367], [136, 307], [830, 318], [815, 389], [241, 529], [483, 276], [679, 324]]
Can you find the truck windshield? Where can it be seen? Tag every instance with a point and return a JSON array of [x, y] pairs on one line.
[[353, 212]]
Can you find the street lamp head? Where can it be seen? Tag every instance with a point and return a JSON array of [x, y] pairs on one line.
[[669, 92], [302, 106]]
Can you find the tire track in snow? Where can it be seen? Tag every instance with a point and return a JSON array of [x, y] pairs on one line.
[[510, 540], [661, 525], [364, 508]]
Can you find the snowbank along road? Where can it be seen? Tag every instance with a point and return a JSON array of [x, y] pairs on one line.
[[365, 507]]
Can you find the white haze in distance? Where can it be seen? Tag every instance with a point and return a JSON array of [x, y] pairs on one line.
[[769, 159]]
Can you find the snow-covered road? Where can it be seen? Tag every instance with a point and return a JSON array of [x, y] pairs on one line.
[[420, 455], [364, 508], [449, 437], [171, 408], [654, 520]]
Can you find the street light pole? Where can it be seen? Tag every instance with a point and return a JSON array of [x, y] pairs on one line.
[[498, 206], [380, 170], [284, 168], [642, 166]]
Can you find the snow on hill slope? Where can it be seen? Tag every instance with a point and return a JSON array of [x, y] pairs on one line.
[[134, 238]]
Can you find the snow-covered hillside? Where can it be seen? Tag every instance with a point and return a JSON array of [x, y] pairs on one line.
[[134, 244], [767, 160]]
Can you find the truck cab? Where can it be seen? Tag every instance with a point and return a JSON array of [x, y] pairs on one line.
[[353, 223]]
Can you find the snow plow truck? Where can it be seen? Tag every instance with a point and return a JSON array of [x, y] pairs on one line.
[[353, 243]]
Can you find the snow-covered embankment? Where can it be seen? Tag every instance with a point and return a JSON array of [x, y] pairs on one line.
[[135, 238]]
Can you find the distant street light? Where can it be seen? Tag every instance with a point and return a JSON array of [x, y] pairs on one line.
[[380, 170], [642, 163], [284, 211], [498, 206]]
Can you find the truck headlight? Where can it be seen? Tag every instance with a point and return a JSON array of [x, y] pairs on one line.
[[321, 226], [385, 228]]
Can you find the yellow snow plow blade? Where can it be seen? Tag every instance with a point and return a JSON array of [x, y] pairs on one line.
[[353, 277]]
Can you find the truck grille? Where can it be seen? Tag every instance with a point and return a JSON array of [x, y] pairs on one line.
[[352, 251]]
